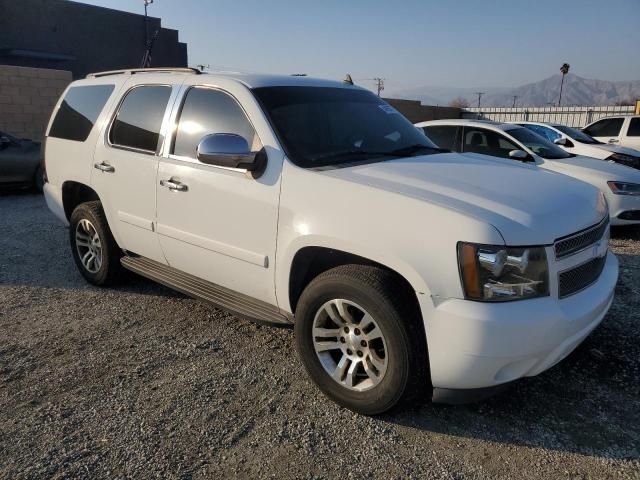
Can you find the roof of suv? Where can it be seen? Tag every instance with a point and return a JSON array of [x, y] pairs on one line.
[[250, 80]]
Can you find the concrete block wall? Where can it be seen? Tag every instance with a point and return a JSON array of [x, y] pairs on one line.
[[27, 97]]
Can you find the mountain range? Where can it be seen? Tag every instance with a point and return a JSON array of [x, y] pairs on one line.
[[576, 91]]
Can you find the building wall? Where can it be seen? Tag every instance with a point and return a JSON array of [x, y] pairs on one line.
[[27, 97], [65, 35], [416, 112]]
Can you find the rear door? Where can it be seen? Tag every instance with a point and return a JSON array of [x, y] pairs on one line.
[[126, 164], [607, 130]]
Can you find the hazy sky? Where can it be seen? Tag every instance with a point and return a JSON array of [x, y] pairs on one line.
[[460, 43]]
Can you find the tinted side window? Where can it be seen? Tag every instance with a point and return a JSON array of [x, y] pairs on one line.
[[634, 128], [609, 127], [79, 111], [487, 142], [443, 136], [138, 121], [206, 111]]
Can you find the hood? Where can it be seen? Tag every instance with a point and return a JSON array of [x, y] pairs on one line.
[[617, 149], [587, 168], [528, 205]]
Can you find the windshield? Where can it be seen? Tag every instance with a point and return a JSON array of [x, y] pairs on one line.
[[539, 145], [320, 126], [576, 134]]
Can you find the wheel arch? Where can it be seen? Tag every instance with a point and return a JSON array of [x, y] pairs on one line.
[[75, 193], [310, 261]]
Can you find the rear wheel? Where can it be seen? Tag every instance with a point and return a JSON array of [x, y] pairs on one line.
[[94, 249], [38, 179], [360, 338]]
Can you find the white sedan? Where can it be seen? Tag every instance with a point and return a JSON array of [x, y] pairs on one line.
[[620, 184], [575, 141]]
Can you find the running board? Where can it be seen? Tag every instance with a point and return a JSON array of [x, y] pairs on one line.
[[237, 303]]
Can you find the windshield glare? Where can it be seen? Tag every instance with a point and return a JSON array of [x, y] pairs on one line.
[[539, 145], [576, 134], [321, 126]]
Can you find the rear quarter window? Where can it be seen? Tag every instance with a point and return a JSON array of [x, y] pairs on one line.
[[79, 111]]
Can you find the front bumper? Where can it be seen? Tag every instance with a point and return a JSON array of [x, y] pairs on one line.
[[476, 345]]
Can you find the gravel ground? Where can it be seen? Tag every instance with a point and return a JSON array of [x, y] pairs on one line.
[[139, 381]]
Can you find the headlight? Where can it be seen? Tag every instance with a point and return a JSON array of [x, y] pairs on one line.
[[624, 188], [497, 273], [624, 159]]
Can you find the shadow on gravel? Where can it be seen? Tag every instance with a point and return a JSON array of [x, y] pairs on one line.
[[631, 232]]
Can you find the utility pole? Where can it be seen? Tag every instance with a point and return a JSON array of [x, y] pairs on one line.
[[479, 97], [148, 44], [379, 84], [514, 100]]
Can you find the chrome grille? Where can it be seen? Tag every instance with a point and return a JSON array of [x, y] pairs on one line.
[[579, 241], [578, 278]]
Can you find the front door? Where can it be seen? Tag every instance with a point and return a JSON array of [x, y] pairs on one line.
[[126, 165], [218, 223], [606, 130]]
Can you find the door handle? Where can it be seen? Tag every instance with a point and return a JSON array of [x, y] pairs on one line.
[[104, 167], [174, 186]]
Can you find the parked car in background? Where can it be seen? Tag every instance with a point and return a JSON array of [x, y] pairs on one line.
[[404, 269], [623, 130], [576, 141], [20, 162], [620, 184]]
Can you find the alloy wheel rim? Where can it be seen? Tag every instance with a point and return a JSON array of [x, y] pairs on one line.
[[88, 246], [350, 345]]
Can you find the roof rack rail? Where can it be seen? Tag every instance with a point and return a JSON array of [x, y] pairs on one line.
[[132, 71]]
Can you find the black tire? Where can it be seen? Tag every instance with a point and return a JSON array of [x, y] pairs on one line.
[[38, 179], [382, 295], [110, 270]]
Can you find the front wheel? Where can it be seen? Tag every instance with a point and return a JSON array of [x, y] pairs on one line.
[[359, 337], [94, 249]]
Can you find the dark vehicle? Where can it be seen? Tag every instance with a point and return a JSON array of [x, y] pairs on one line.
[[20, 162]]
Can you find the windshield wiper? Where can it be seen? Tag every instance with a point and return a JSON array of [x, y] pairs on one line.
[[350, 153], [415, 148], [407, 151]]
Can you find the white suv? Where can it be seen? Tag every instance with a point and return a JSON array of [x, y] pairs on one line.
[[623, 130], [405, 270]]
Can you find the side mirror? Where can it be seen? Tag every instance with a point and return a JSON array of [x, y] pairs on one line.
[[560, 141], [229, 150], [519, 155]]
